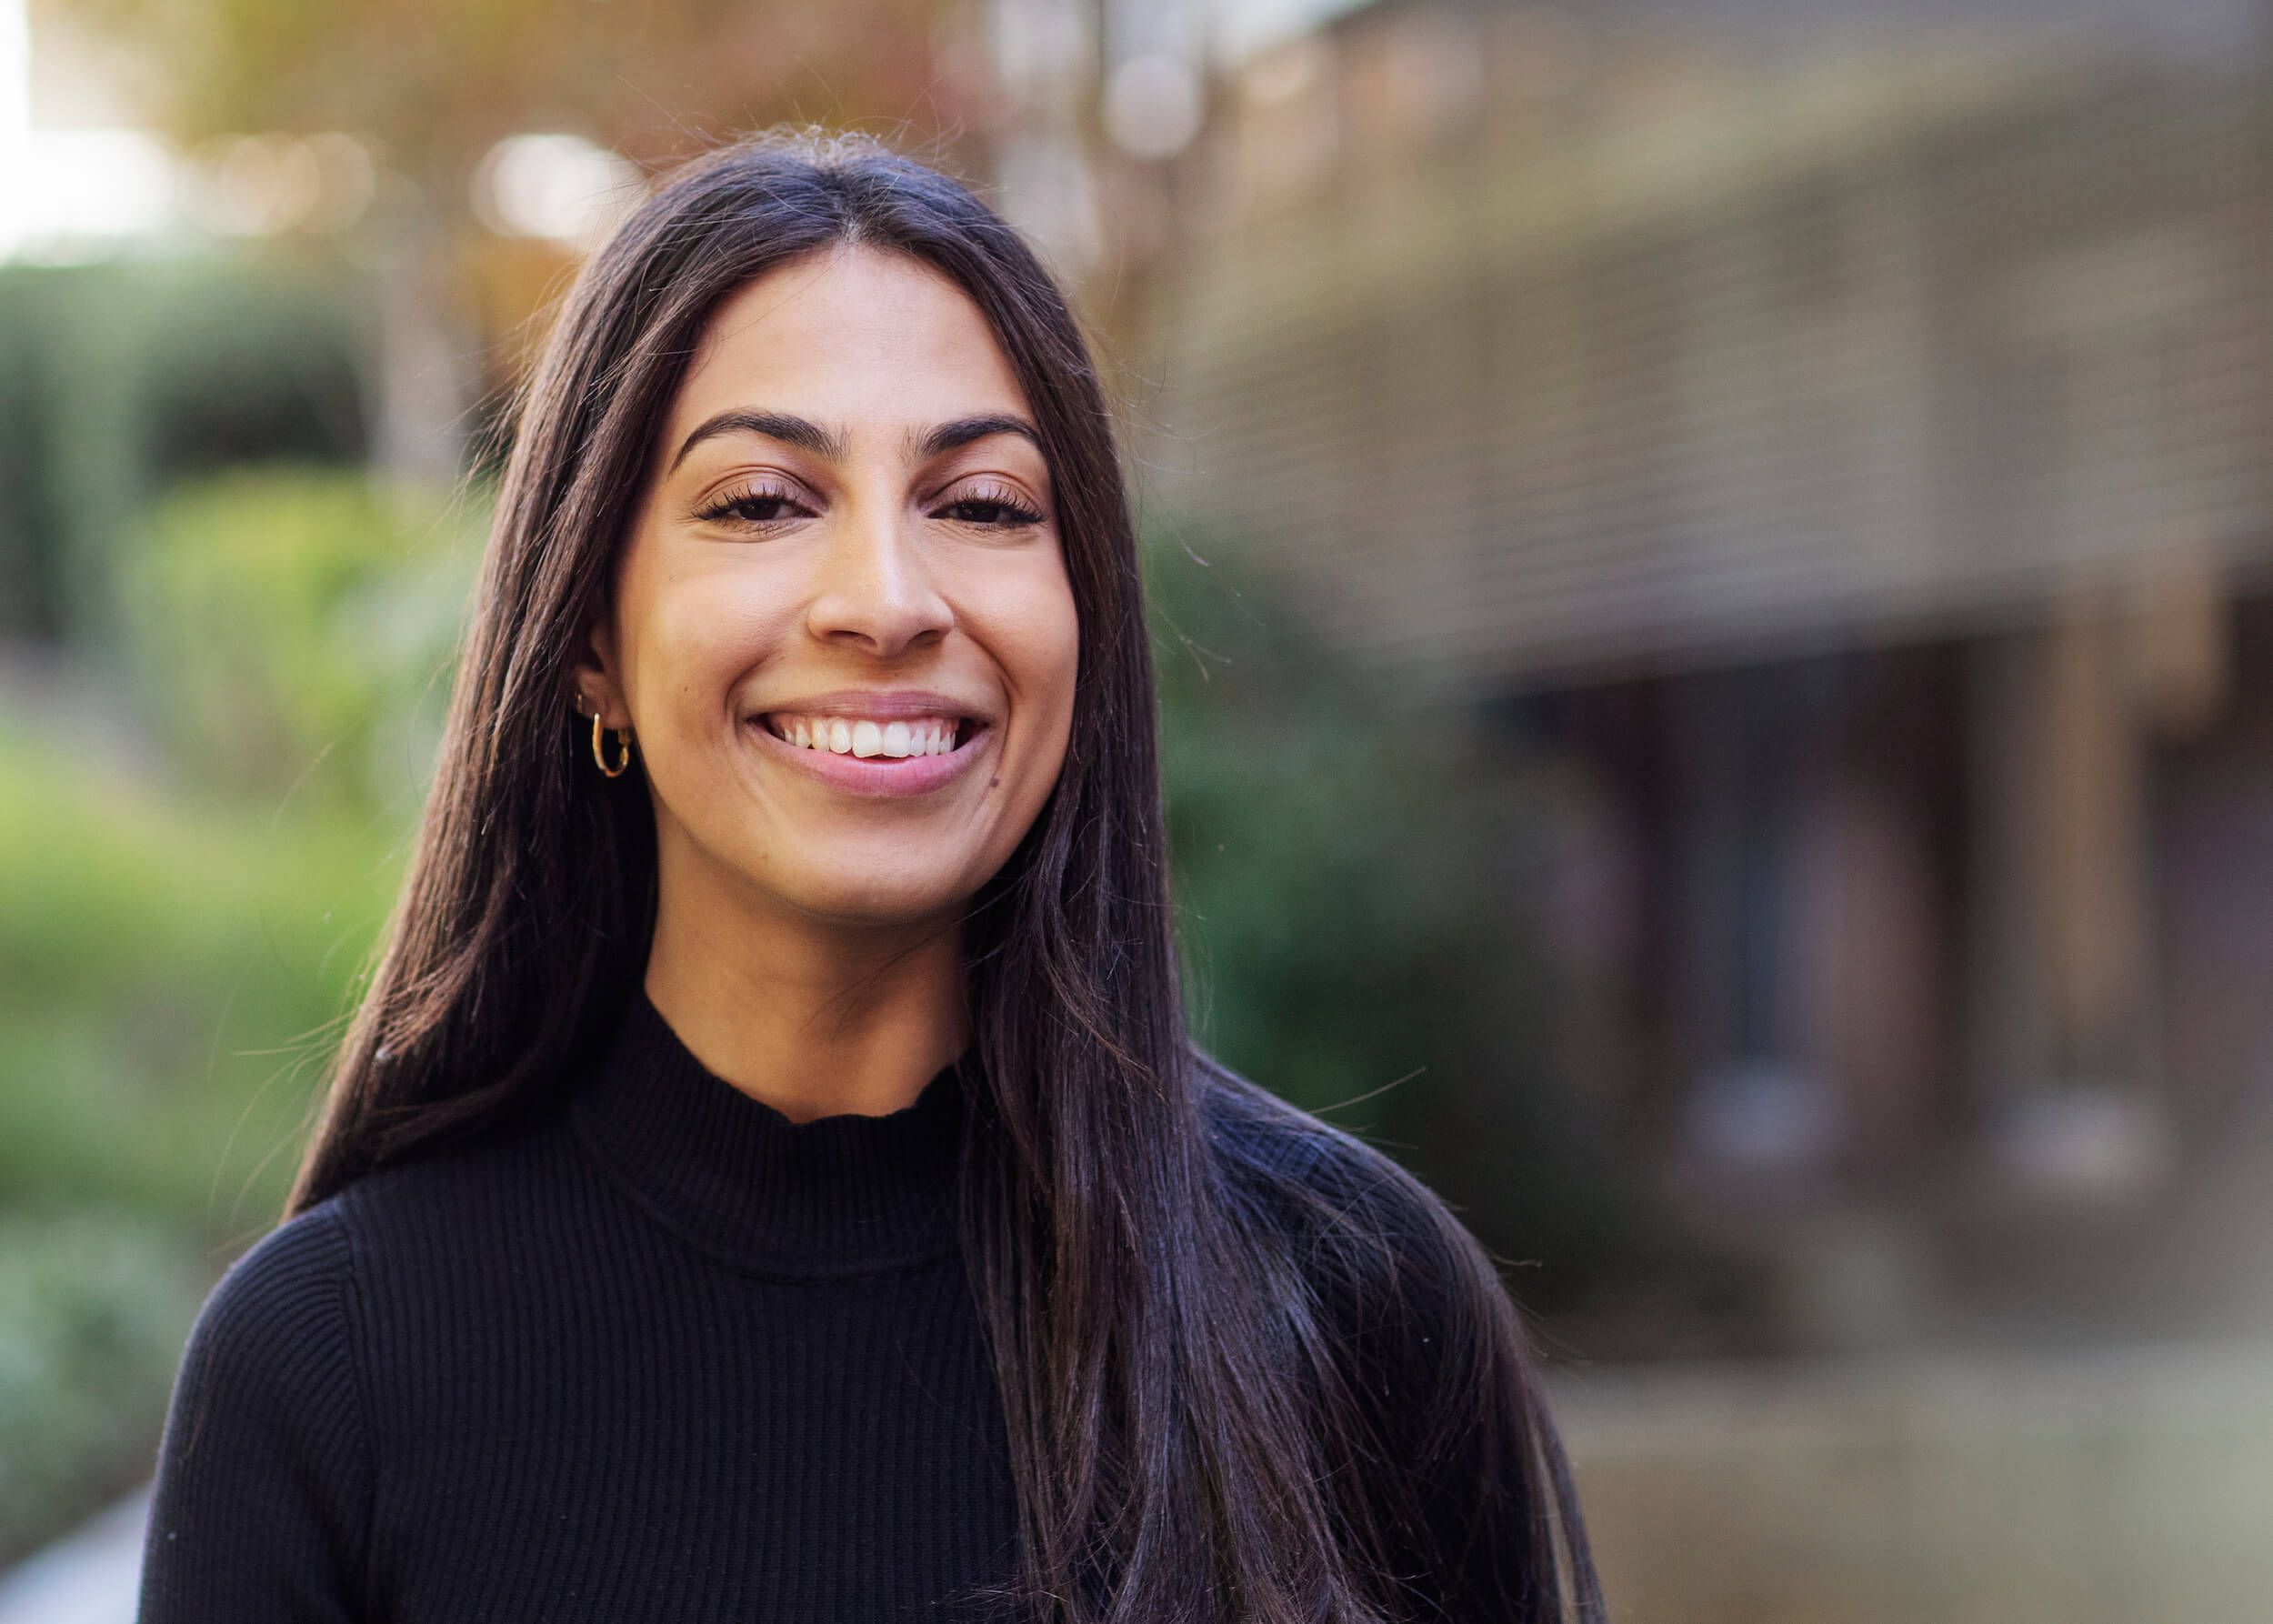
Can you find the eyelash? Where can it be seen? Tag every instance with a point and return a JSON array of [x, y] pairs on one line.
[[728, 506], [1012, 514]]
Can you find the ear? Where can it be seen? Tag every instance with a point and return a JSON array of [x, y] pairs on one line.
[[598, 689]]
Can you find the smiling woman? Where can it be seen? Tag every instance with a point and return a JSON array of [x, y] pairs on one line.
[[849, 550], [775, 1182]]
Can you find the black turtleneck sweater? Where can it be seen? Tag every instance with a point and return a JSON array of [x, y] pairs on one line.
[[669, 1355], [666, 1355]]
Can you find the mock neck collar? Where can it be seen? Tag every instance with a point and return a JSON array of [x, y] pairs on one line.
[[837, 1196]]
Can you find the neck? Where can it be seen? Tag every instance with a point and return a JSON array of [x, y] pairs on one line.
[[812, 1017]]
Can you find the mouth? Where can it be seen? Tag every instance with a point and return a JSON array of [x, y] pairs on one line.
[[866, 742], [872, 738]]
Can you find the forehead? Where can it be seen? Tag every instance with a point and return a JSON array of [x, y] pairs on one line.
[[852, 336]]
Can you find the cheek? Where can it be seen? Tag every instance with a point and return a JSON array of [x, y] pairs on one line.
[[691, 635], [1034, 632], [1029, 615]]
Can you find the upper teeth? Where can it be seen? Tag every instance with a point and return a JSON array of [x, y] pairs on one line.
[[853, 736]]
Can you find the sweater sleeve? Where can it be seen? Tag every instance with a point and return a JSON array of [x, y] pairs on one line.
[[260, 1508]]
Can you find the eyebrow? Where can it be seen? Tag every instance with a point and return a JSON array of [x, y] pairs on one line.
[[964, 430], [835, 445], [800, 432]]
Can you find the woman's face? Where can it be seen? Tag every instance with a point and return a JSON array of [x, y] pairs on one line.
[[841, 628]]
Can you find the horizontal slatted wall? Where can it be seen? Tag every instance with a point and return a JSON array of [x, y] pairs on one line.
[[1652, 405]]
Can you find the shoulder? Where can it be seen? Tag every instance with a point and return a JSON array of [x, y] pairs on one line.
[[273, 1351], [320, 1298], [1327, 1193], [266, 1470], [457, 1201], [282, 1301], [1409, 1302], [1411, 1352]]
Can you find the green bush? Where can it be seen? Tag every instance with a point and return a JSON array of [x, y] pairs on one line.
[[177, 950], [292, 630], [117, 380], [178, 947], [1358, 884], [169, 978], [94, 1310], [1354, 879]]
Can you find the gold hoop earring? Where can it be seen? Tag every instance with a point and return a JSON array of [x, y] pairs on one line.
[[599, 752]]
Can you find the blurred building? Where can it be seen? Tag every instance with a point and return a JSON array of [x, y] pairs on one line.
[[1853, 474]]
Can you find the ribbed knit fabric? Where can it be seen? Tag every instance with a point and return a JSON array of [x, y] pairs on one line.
[[668, 1356]]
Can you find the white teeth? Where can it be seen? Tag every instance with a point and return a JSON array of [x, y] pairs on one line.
[[852, 737]]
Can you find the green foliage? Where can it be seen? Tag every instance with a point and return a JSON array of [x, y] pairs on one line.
[[1357, 883], [172, 965], [1320, 903], [117, 379], [168, 975], [94, 1308], [280, 619], [178, 947]]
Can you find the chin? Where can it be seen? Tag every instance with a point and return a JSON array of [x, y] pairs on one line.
[[887, 904]]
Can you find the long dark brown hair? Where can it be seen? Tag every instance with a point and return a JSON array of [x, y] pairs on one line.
[[1192, 1294]]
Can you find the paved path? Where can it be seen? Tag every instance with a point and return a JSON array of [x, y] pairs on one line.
[[89, 1576], [2080, 1485]]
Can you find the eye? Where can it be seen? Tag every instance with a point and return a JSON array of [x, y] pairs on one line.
[[991, 507], [758, 505]]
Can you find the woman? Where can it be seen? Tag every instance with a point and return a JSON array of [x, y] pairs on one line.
[[767, 1177]]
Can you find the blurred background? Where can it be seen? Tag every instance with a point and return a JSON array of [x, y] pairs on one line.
[[1713, 569]]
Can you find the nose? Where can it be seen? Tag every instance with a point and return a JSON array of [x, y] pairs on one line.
[[874, 591]]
